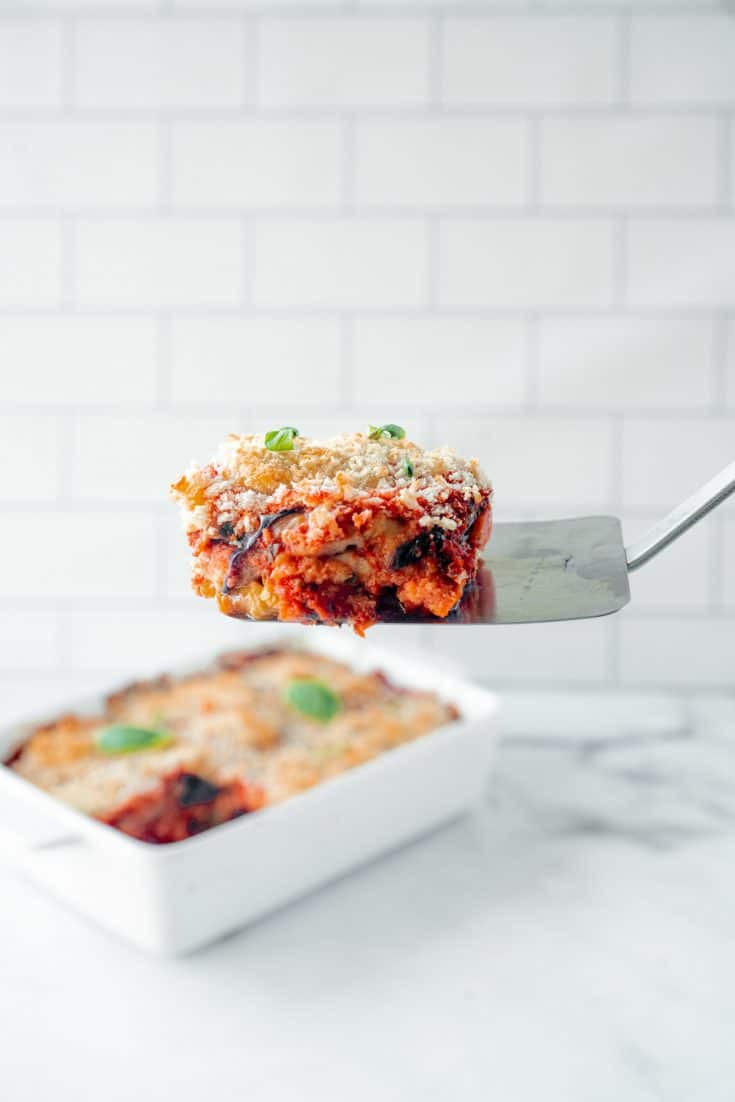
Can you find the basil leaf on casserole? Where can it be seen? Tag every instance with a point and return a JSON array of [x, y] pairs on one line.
[[394, 432], [119, 738], [312, 698], [281, 440]]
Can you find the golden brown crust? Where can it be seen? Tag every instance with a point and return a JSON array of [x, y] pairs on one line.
[[245, 478], [229, 723]]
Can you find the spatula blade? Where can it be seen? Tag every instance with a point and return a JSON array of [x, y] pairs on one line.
[[540, 571], [537, 571]]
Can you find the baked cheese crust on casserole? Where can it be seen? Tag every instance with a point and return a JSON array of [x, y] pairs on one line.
[[354, 529], [169, 758]]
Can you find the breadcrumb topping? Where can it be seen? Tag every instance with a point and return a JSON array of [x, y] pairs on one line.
[[232, 721], [245, 477]]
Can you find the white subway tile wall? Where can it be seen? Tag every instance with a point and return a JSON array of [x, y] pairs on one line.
[[650, 162], [343, 61], [157, 64], [68, 553], [298, 164], [666, 57], [131, 262], [254, 359], [527, 61], [31, 265], [681, 263], [29, 640], [78, 164], [525, 263], [32, 70], [508, 225], [74, 361], [338, 263], [643, 363], [29, 445], [430, 163]]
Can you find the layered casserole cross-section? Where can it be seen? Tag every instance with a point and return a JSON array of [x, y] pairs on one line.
[[355, 529]]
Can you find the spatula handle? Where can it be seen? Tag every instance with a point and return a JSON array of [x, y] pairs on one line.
[[682, 517]]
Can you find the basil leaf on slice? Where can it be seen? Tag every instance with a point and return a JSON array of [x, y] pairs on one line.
[[312, 698], [119, 738], [396, 432], [408, 467], [281, 440]]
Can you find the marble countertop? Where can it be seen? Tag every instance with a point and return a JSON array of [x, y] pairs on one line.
[[571, 941]]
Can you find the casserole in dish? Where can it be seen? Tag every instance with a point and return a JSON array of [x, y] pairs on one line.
[[173, 898], [170, 757]]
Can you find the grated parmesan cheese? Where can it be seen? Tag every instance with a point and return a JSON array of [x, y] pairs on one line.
[[246, 480]]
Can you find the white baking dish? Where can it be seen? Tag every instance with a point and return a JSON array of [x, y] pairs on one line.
[[172, 899]]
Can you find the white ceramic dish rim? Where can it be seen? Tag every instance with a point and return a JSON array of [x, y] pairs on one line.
[[402, 670]]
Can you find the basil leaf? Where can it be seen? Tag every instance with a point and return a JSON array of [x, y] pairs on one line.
[[375, 432], [408, 467], [313, 699], [121, 739], [281, 440]]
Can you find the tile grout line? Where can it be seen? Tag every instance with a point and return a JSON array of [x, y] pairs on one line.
[[387, 11], [160, 566], [69, 65], [384, 312], [164, 364], [534, 171], [721, 339], [620, 232], [433, 262], [623, 59], [728, 366], [223, 312], [62, 623], [533, 328], [68, 228], [616, 488], [66, 427], [701, 417], [490, 111], [348, 165], [517, 212], [716, 578], [435, 73], [726, 183], [248, 262], [250, 61], [346, 362], [165, 134]]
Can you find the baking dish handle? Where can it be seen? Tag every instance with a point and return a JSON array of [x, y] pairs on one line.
[[24, 833]]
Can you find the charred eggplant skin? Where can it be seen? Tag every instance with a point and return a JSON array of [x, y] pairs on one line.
[[248, 542], [193, 789], [420, 546], [411, 551], [417, 548]]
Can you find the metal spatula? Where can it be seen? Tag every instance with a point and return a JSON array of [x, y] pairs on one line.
[[571, 569]]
